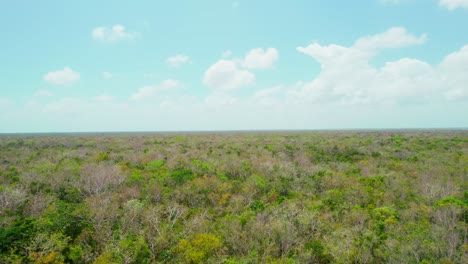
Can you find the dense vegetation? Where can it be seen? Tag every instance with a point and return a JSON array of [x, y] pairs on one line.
[[308, 197]]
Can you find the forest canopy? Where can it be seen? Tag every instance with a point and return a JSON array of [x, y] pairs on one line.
[[263, 197]]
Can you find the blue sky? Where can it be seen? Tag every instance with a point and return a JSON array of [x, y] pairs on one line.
[[232, 65]]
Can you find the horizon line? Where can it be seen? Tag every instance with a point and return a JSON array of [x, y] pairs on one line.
[[238, 131]]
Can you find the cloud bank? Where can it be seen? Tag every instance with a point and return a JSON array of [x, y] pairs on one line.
[[347, 75]]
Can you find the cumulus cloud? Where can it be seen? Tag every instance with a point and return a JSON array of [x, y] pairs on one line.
[[227, 75], [363, 50], [151, 91], [62, 77], [178, 60], [452, 72], [349, 92], [453, 4], [261, 59], [230, 74], [347, 75], [112, 34]]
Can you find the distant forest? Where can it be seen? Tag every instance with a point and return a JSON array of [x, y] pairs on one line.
[[277, 197]]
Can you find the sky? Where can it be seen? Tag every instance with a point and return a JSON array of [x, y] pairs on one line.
[[184, 65]]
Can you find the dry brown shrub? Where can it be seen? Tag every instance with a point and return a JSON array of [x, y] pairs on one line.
[[96, 178]]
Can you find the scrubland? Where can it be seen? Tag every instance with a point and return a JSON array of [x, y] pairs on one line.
[[263, 197]]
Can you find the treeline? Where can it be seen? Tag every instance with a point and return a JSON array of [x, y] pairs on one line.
[[309, 197]]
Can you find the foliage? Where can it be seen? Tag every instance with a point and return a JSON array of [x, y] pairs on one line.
[[284, 197], [199, 249], [16, 236]]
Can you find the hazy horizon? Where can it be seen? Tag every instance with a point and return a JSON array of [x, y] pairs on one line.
[[260, 131]]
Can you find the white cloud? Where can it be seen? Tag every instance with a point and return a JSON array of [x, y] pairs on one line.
[[107, 75], [230, 74], [453, 77], [349, 92], [226, 75], [453, 4], [62, 77], [338, 57], [220, 111], [333, 56], [113, 34], [151, 91], [178, 60], [363, 50], [396, 37], [261, 59], [348, 77]]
